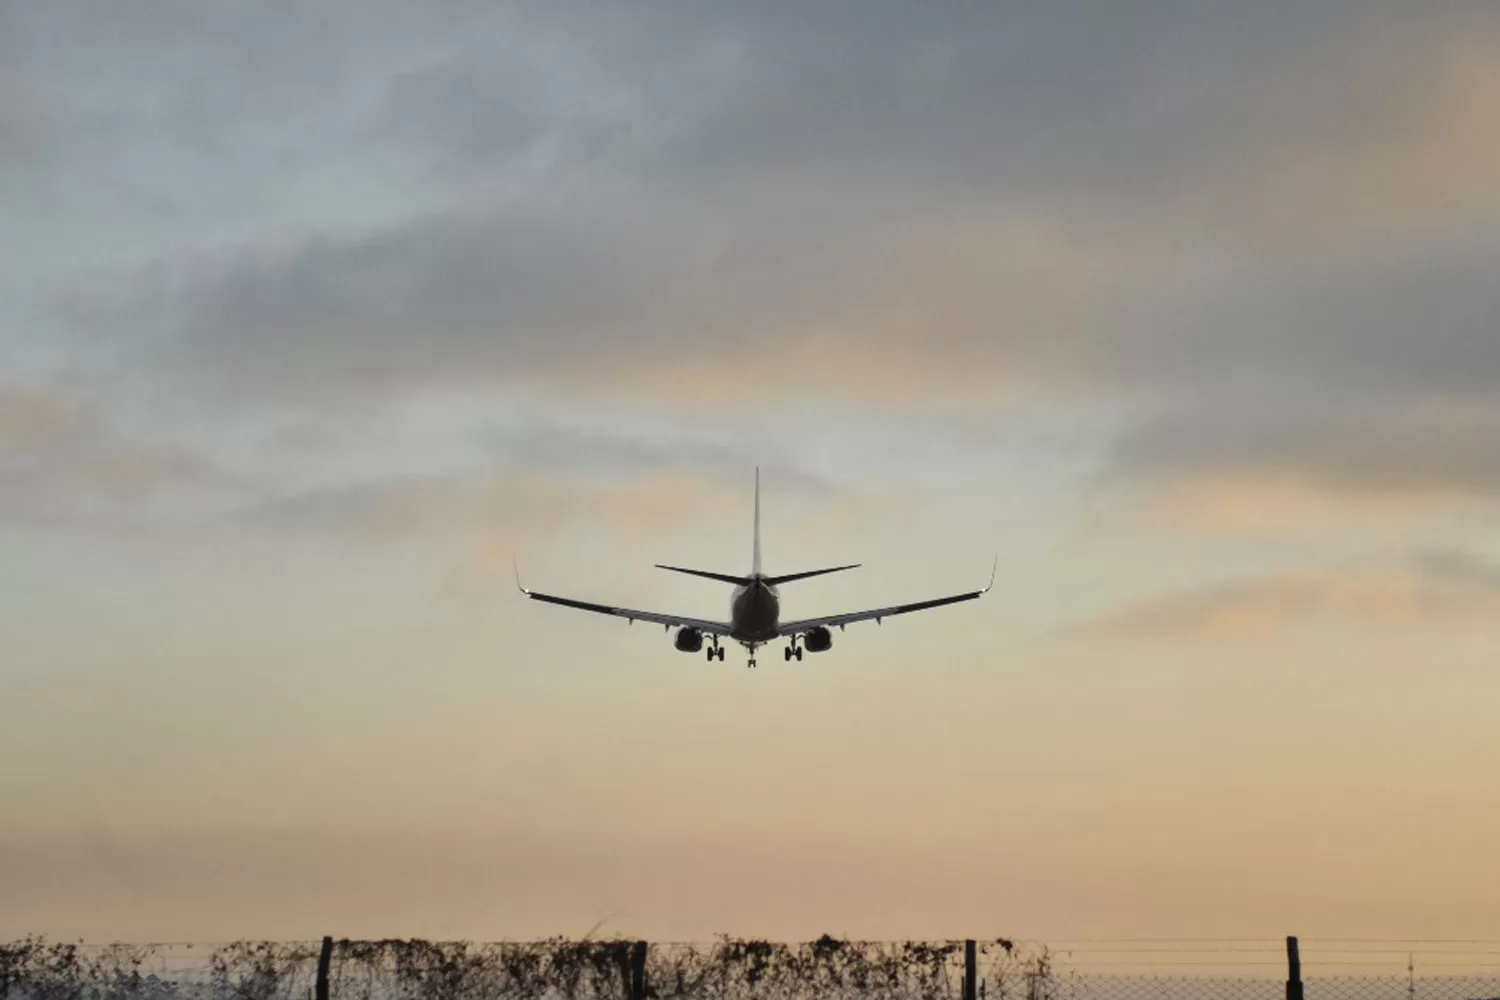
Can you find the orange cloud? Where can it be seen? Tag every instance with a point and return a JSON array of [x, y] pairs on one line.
[[1434, 588], [33, 418], [1421, 154], [1387, 131], [527, 509], [1273, 505], [57, 449]]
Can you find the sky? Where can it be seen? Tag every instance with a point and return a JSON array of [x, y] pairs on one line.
[[313, 317]]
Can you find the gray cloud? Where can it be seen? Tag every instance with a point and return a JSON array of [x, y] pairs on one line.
[[1181, 202], [533, 475], [780, 199], [405, 506], [1428, 587], [1416, 321], [548, 445], [1373, 377], [467, 301], [1459, 568], [475, 508], [1344, 444], [22, 124]]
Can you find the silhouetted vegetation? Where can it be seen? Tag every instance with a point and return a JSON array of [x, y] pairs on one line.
[[728, 969], [36, 969]]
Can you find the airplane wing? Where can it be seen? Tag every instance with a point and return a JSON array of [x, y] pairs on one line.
[[630, 614], [849, 618]]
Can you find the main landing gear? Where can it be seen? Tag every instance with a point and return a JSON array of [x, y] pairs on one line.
[[791, 651], [714, 652]]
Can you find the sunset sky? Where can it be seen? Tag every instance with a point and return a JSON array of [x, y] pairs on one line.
[[314, 316]]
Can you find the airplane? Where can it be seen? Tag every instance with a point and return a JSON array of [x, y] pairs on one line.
[[755, 610]]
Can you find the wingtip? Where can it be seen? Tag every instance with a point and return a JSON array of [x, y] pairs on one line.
[[517, 569], [995, 565]]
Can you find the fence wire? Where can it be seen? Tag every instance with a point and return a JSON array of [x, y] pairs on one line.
[[730, 969]]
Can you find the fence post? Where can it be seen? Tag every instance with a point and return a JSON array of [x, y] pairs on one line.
[[638, 971], [971, 971], [1293, 970], [324, 957]]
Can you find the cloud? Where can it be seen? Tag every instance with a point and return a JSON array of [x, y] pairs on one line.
[[1362, 130], [593, 449], [509, 505], [724, 188], [33, 418], [1273, 506], [62, 459], [638, 301], [1355, 392], [522, 469], [22, 121], [1428, 588], [1413, 152], [1158, 211], [1412, 321], [509, 296], [1355, 447]]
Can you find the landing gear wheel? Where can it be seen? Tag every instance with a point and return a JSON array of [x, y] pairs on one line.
[[710, 652], [719, 651], [752, 663], [787, 654], [799, 654]]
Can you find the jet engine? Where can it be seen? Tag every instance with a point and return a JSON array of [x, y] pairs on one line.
[[688, 640], [818, 640]]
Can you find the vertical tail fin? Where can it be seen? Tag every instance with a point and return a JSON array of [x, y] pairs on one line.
[[755, 564]]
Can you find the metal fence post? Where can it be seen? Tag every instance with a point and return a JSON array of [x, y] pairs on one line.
[[971, 970], [324, 957], [1293, 970], [638, 971]]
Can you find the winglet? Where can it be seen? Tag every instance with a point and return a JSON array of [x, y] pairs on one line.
[[518, 577], [993, 566]]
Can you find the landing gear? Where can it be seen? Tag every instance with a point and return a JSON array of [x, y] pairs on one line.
[[751, 664], [715, 652], [791, 651]]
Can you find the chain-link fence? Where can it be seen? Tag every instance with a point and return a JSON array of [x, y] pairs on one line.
[[728, 969]]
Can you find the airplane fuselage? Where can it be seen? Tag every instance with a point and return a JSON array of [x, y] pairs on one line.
[[754, 612]]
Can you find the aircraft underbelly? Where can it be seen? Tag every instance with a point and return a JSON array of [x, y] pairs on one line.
[[754, 613]]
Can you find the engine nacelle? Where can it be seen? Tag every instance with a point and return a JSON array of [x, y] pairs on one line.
[[688, 640], [818, 640]]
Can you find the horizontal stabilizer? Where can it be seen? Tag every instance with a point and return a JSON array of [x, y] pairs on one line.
[[740, 581], [789, 577]]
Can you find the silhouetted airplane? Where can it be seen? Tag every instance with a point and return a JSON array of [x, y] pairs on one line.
[[755, 609]]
